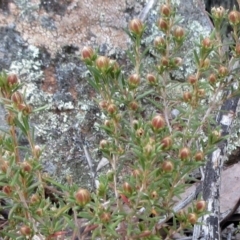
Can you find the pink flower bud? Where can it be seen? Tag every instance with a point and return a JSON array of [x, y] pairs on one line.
[[158, 123], [136, 27], [82, 197]]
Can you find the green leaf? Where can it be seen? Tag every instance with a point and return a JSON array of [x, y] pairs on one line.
[[144, 94], [41, 108], [196, 57]]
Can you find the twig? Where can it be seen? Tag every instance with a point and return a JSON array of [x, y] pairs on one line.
[[144, 13]]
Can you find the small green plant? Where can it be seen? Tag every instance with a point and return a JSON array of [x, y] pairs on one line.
[[157, 131]]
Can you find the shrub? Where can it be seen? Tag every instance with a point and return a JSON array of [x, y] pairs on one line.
[[157, 132]]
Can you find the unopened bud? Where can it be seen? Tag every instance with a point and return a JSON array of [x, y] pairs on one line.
[[140, 132], [184, 153], [151, 79], [134, 81], [212, 78], [154, 194], [136, 173], [39, 212], [17, 97], [222, 71], [10, 119], [4, 166], [234, 17], [159, 42], [177, 61], [34, 199], [12, 79], [82, 197], [112, 109], [164, 61], [26, 167], [187, 96], [207, 43], [192, 218], [199, 156], [25, 230], [127, 189], [7, 190], [103, 104], [201, 206], [192, 79], [102, 63], [103, 144], [87, 53], [163, 25], [201, 92], [37, 151], [179, 33], [218, 13], [205, 64], [158, 123], [167, 166], [166, 143], [105, 217], [133, 105], [136, 27], [165, 10]]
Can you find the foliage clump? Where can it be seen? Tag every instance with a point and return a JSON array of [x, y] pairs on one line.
[[157, 132]]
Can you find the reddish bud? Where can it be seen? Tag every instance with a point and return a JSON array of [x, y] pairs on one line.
[[201, 206], [166, 143], [133, 105], [234, 17], [87, 53], [103, 104], [25, 230], [179, 33], [159, 42], [136, 27], [151, 79], [177, 61], [134, 81], [192, 218], [12, 79], [167, 166], [7, 190], [199, 156], [163, 25], [187, 96], [105, 217], [148, 149], [26, 167], [82, 197], [222, 71], [102, 63], [17, 97], [206, 43], [165, 10], [158, 123], [192, 79], [212, 78], [164, 61], [184, 153], [112, 109]]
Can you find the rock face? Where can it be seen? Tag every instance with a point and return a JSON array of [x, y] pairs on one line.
[[41, 42]]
